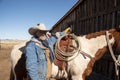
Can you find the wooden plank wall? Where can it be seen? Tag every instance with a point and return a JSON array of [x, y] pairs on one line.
[[96, 15]]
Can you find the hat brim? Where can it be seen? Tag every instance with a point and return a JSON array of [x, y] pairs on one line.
[[32, 31]]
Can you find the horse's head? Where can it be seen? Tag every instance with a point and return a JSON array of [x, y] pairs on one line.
[[116, 34], [112, 33]]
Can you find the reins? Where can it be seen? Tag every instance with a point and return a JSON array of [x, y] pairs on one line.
[[116, 60]]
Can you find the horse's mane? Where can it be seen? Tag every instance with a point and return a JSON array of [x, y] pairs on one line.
[[96, 34]]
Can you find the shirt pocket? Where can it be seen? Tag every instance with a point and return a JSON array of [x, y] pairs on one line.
[[42, 69], [41, 55]]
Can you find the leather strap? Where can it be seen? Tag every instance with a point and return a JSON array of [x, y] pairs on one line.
[[49, 64]]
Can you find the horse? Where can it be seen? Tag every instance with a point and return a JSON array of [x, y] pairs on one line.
[[92, 47]]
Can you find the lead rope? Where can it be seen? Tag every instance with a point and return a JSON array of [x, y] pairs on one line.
[[116, 61]]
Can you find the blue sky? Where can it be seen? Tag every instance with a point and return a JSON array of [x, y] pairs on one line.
[[17, 16]]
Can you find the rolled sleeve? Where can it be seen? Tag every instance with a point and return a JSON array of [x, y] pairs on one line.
[[54, 38]]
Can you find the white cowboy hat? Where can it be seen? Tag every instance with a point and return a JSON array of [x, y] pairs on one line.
[[40, 27]]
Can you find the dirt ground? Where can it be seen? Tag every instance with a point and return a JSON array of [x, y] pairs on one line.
[[5, 64]]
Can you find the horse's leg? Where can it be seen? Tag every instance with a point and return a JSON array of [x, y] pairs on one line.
[[77, 77], [54, 70], [11, 75]]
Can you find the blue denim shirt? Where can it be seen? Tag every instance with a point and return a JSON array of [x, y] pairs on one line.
[[36, 62]]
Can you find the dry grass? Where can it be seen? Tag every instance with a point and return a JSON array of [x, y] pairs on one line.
[[5, 65], [8, 44]]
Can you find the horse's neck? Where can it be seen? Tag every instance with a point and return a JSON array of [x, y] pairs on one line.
[[93, 45]]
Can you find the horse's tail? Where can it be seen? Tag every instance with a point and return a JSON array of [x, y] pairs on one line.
[[12, 73]]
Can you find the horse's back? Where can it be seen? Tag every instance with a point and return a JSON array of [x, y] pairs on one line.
[[17, 51]]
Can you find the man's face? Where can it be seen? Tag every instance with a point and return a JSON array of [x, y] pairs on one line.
[[41, 35]]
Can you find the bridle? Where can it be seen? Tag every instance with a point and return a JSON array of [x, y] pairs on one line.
[[116, 60]]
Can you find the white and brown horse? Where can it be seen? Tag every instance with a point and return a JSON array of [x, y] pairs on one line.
[[93, 47]]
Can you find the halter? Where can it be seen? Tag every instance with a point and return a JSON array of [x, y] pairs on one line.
[[116, 61]]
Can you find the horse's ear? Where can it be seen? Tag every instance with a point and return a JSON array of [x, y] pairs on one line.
[[118, 28]]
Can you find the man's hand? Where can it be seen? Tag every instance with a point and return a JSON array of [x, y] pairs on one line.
[[68, 30], [48, 34]]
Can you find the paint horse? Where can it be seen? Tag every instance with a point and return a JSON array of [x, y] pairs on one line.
[[92, 47]]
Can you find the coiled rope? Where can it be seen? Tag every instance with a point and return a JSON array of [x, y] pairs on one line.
[[67, 56]]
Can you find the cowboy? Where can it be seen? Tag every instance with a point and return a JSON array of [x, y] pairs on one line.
[[39, 52]]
